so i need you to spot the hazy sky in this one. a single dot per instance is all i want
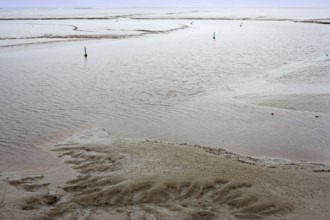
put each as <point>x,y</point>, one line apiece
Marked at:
<point>164,3</point>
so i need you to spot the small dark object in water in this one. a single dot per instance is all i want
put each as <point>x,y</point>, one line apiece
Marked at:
<point>85,52</point>
<point>316,116</point>
<point>214,36</point>
<point>272,113</point>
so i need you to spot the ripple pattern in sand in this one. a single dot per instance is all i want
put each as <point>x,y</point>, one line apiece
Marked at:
<point>104,187</point>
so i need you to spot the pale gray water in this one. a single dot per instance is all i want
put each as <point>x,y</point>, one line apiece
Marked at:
<point>181,86</point>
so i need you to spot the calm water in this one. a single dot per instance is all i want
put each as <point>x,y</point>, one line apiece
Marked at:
<point>182,86</point>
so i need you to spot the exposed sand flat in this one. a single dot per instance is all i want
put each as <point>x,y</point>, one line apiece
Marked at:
<point>130,179</point>
<point>261,88</point>
<point>298,102</point>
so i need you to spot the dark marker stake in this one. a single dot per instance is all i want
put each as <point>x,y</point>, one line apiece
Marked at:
<point>214,36</point>
<point>85,52</point>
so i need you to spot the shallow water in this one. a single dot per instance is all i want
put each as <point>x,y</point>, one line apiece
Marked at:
<point>182,86</point>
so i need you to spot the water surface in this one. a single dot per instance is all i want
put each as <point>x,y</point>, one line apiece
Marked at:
<point>179,86</point>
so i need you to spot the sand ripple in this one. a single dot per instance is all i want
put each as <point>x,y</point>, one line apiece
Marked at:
<point>114,183</point>
<point>145,179</point>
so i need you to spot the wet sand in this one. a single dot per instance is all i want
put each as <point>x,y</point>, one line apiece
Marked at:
<point>238,93</point>
<point>99,176</point>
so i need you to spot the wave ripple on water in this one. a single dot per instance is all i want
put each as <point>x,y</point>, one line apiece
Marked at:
<point>180,87</point>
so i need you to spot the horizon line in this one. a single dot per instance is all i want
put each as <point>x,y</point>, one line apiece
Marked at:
<point>110,7</point>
